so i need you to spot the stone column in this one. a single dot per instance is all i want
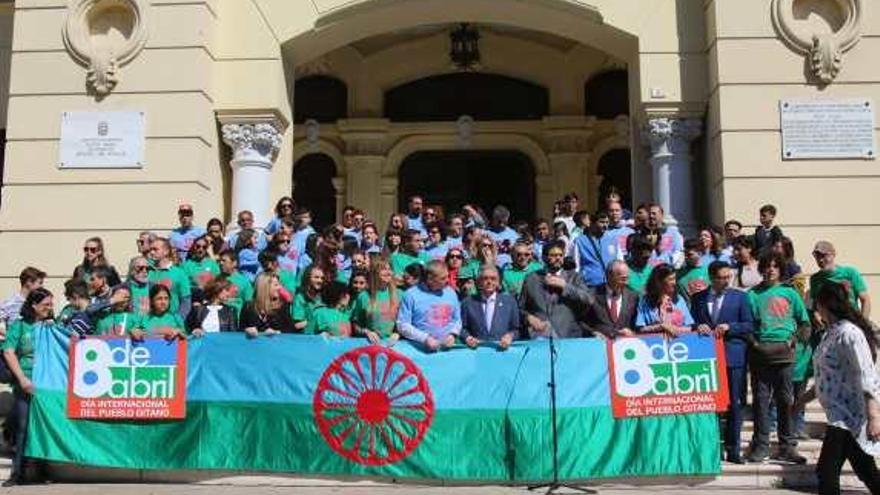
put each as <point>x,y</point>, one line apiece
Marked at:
<point>339,185</point>
<point>366,144</point>
<point>670,159</point>
<point>255,139</point>
<point>567,142</point>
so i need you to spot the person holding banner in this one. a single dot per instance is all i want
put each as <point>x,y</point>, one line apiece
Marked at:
<point>375,309</point>
<point>725,312</point>
<point>662,309</point>
<point>307,298</point>
<point>430,313</point>
<point>613,314</point>
<point>848,388</point>
<point>490,315</point>
<point>161,320</point>
<point>18,352</point>
<point>268,313</point>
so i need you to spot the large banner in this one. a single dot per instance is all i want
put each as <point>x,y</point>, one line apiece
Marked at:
<point>652,375</point>
<point>336,407</point>
<point>123,379</point>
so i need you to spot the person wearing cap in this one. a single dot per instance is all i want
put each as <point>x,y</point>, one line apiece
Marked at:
<point>182,237</point>
<point>829,271</point>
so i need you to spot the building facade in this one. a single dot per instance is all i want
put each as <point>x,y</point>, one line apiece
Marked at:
<point>366,101</point>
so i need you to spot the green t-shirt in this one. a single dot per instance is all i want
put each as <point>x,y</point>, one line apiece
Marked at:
<point>692,279</point>
<point>177,282</point>
<point>513,277</point>
<point>140,298</point>
<point>200,272</point>
<point>847,276</point>
<point>400,260</point>
<point>118,324</point>
<point>379,317</point>
<point>779,310</point>
<point>152,324</point>
<point>303,309</point>
<point>334,321</point>
<point>243,291</point>
<point>20,338</point>
<point>639,278</point>
<point>288,280</point>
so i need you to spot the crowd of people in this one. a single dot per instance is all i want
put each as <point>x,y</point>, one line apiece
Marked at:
<point>471,279</point>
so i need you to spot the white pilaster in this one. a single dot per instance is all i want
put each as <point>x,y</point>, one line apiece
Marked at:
<point>670,140</point>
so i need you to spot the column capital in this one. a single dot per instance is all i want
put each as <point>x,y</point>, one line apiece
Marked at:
<point>254,135</point>
<point>671,135</point>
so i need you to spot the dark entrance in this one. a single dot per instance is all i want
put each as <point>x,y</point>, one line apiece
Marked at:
<point>484,178</point>
<point>313,187</point>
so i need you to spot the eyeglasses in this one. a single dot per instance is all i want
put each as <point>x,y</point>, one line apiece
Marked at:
<point>88,249</point>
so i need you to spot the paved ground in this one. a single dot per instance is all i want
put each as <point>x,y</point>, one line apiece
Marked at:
<point>364,489</point>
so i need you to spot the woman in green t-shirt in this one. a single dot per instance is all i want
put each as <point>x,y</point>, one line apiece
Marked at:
<point>307,299</point>
<point>160,321</point>
<point>375,310</point>
<point>18,350</point>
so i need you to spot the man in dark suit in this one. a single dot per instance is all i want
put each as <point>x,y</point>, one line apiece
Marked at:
<point>555,300</point>
<point>613,313</point>
<point>725,312</point>
<point>489,315</point>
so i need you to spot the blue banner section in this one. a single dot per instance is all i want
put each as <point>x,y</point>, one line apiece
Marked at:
<point>229,367</point>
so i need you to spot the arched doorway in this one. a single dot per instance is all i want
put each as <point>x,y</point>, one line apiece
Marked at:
<point>485,178</point>
<point>615,168</point>
<point>313,187</point>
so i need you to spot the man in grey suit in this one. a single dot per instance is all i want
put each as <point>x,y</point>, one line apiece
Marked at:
<point>489,315</point>
<point>555,300</point>
<point>613,313</point>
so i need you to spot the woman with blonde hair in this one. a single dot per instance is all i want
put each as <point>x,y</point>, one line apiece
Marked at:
<point>483,251</point>
<point>375,309</point>
<point>267,313</point>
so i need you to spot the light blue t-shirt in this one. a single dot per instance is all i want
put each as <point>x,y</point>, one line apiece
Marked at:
<point>425,313</point>
<point>436,252</point>
<point>415,223</point>
<point>680,314</point>
<point>614,243</point>
<point>181,240</point>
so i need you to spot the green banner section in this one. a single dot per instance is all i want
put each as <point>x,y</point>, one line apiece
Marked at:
<point>462,444</point>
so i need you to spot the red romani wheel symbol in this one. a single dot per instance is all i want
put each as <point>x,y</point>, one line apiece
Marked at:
<point>373,406</point>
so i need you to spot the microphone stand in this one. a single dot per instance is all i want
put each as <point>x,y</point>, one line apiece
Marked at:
<point>554,485</point>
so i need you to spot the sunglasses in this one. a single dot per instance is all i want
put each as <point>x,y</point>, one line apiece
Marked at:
<point>287,205</point>
<point>201,246</point>
<point>523,255</point>
<point>455,256</point>
<point>185,213</point>
<point>486,245</point>
<point>141,268</point>
<point>88,249</point>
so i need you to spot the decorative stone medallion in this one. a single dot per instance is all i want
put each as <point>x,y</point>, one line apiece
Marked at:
<point>821,30</point>
<point>104,35</point>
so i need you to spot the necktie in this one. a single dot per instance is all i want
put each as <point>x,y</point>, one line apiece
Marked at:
<point>612,312</point>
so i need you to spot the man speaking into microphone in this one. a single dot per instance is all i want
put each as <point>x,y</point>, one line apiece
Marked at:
<point>555,300</point>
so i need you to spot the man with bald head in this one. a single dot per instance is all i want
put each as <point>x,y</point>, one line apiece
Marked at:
<point>613,313</point>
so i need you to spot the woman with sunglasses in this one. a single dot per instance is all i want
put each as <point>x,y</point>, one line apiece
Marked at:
<point>484,251</point>
<point>454,262</point>
<point>18,351</point>
<point>199,267</point>
<point>435,247</point>
<point>287,259</point>
<point>93,255</point>
<point>284,208</point>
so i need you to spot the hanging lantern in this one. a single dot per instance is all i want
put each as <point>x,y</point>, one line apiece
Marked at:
<point>464,51</point>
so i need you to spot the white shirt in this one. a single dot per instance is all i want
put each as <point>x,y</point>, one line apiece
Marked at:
<point>715,300</point>
<point>211,323</point>
<point>489,309</point>
<point>611,298</point>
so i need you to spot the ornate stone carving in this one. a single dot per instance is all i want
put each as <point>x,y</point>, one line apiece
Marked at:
<point>317,67</point>
<point>104,35</point>
<point>822,30</point>
<point>246,140</point>
<point>671,135</point>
